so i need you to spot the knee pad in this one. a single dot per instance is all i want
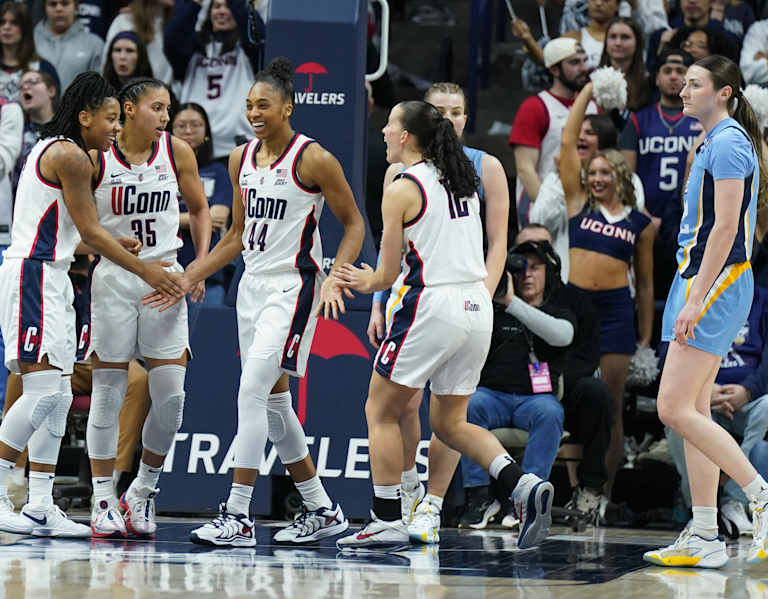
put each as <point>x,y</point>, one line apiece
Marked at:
<point>41,392</point>
<point>284,429</point>
<point>166,390</point>
<point>57,419</point>
<point>107,396</point>
<point>259,376</point>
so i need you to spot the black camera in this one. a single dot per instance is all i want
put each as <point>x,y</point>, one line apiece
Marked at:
<point>516,263</point>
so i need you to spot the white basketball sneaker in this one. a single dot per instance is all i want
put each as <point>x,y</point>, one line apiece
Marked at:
<point>532,501</point>
<point>735,516</point>
<point>226,530</point>
<point>758,550</point>
<point>376,534</point>
<point>11,521</point>
<point>313,526</point>
<point>50,521</point>
<point>409,500</point>
<point>139,508</point>
<point>106,520</point>
<point>690,550</point>
<point>425,524</point>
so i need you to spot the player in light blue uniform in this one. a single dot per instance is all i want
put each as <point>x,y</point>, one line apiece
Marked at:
<point>709,300</point>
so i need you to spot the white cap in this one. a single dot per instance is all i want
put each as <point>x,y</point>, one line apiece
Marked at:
<point>559,49</point>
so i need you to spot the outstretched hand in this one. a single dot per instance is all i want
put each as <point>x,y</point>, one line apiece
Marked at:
<point>359,279</point>
<point>332,299</point>
<point>163,300</point>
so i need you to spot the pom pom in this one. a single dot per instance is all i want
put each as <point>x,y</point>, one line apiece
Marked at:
<point>609,88</point>
<point>643,367</point>
<point>758,98</point>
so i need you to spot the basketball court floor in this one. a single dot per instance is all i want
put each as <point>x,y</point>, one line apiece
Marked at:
<point>596,564</point>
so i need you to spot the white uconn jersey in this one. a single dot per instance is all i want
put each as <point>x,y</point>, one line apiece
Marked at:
<point>42,228</point>
<point>141,200</point>
<point>220,82</point>
<point>281,212</point>
<point>444,242</point>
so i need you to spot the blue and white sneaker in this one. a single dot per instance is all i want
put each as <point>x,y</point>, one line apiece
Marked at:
<point>226,530</point>
<point>313,526</point>
<point>139,511</point>
<point>50,521</point>
<point>425,524</point>
<point>532,501</point>
<point>106,520</point>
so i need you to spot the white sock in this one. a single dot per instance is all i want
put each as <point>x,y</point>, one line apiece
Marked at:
<point>41,488</point>
<point>386,491</point>
<point>498,464</point>
<point>17,476</point>
<point>410,479</point>
<point>102,487</point>
<point>6,467</point>
<point>239,501</point>
<point>147,477</point>
<point>754,488</point>
<point>434,500</point>
<point>705,522</point>
<point>313,494</point>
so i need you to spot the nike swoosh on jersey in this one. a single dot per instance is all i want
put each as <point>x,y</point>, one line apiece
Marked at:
<point>290,288</point>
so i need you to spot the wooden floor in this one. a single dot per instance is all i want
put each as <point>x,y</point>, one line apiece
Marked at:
<point>600,563</point>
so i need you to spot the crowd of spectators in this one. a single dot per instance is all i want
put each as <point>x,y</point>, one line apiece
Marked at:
<point>614,215</point>
<point>603,187</point>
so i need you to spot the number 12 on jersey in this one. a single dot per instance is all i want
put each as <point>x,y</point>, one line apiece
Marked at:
<point>261,240</point>
<point>457,207</point>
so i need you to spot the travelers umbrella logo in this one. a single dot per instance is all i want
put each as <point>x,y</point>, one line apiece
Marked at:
<point>311,69</point>
<point>309,95</point>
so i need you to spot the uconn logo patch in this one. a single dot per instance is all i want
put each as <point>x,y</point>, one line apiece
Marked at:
<point>607,229</point>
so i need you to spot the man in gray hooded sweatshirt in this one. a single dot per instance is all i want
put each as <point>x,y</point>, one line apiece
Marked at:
<point>65,42</point>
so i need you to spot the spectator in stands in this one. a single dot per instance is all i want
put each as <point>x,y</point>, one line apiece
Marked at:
<point>127,58</point>
<point>65,42</point>
<point>651,14</point>
<point>95,15</point>
<point>227,80</point>
<point>17,45</point>
<point>737,17</point>
<point>586,399</point>
<point>739,405</point>
<point>655,142</point>
<point>147,18</point>
<point>538,123</point>
<point>597,134</point>
<point>532,330</point>
<point>703,41</point>
<point>754,54</point>
<point>592,36</point>
<point>607,236</point>
<point>624,51</point>
<point>694,13</point>
<point>190,123</point>
<point>39,97</point>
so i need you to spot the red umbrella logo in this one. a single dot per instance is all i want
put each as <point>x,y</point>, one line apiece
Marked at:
<point>331,339</point>
<point>311,69</point>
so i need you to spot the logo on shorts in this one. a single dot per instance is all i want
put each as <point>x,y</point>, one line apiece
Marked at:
<point>295,341</point>
<point>388,353</point>
<point>471,307</point>
<point>31,339</point>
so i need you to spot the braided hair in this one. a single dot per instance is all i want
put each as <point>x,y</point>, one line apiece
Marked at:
<point>278,74</point>
<point>439,144</point>
<point>88,91</point>
<point>135,88</point>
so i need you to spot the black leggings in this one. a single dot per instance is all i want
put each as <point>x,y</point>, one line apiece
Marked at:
<point>587,405</point>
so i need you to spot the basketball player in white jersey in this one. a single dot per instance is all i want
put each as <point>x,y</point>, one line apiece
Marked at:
<point>439,320</point>
<point>280,182</point>
<point>54,209</point>
<point>137,182</point>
